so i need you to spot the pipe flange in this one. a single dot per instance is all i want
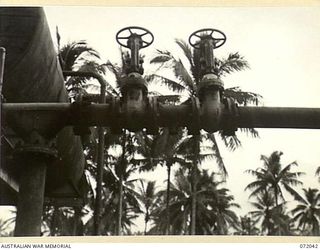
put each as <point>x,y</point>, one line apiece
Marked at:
<point>133,80</point>
<point>230,116</point>
<point>116,125</point>
<point>29,149</point>
<point>36,145</point>
<point>77,110</point>
<point>209,81</point>
<point>194,124</point>
<point>153,116</point>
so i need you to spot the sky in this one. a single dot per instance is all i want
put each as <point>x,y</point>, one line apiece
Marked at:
<point>281,45</point>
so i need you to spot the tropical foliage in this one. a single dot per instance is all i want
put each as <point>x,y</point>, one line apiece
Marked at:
<point>214,206</point>
<point>307,213</point>
<point>273,178</point>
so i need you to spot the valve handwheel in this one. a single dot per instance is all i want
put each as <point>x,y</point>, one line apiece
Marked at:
<point>218,37</point>
<point>124,34</point>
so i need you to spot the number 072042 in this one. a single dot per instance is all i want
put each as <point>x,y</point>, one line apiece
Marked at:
<point>313,246</point>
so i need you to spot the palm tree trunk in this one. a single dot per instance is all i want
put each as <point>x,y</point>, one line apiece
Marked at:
<point>120,195</point>
<point>145,224</point>
<point>168,198</point>
<point>196,151</point>
<point>120,205</point>
<point>99,177</point>
<point>185,216</point>
<point>193,202</point>
<point>303,227</point>
<point>276,193</point>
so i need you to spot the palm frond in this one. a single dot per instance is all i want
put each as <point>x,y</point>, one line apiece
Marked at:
<point>161,57</point>
<point>231,142</point>
<point>171,84</point>
<point>183,75</point>
<point>186,50</point>
<point>234,62</point>
<point>218,155</point>
<point>242,97</point>
<point>250,131</point>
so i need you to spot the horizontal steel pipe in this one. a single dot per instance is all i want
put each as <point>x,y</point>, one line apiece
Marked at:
<point>279,117</point>
<point>179,115</point>
<point>174,115</point>
<point>59,107</point>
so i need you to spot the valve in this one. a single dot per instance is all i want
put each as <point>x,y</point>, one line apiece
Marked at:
<point>133,87</point>
<point>134,38</point>
<point>210,87</point>
<point>210,39</point>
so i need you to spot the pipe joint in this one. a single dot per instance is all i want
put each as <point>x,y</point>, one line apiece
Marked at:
<point>134,101</point>
<point>209,82</point>
<point>230,117</point>
<point>194,124</point>
<point>210,93</point>
<point>38,146</point>
<point>77,109</point>
<point>153,115</point>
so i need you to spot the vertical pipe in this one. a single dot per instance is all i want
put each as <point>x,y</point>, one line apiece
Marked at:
<point>31,196</point>
<point>77,221</point>
<point>2,58</point>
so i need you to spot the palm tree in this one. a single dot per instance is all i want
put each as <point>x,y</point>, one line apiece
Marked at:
<point>147,197</point>
<point>283,223</point>
<point>186,81</point>
<point>272,177</point>
<point>214,214</point>
<point>167,148</point>
<point>78,56</point>
<point>307,212</point>
<point>264,204</point>
<point>125,165</point>
<point>130,208</point>
<point>247,226</point>
<point>63,221</point>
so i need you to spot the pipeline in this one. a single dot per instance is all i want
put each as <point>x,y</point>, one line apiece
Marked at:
<point>247,117</point>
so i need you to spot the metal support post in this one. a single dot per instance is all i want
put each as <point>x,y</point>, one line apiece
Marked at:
<point>33,153</point>
<point>31,196</point>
